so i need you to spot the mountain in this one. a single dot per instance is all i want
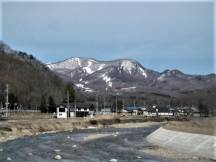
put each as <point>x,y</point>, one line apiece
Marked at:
<point>91,74</point>
<point>127,75</point>
<point>28,78</point>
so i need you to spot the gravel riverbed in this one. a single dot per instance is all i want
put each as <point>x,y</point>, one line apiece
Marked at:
<point>126,143</point>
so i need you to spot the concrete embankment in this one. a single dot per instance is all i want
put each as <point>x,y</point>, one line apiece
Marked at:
<point>195,144</point>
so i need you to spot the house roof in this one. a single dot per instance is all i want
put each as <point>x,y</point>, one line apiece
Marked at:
<point>163,109</point>
<point>131,108</point>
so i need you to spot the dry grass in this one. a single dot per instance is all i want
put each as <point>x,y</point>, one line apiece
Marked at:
<point>195,125</point>
<point>29,115</point>
<point>17,128</point>
<point>21,124</point>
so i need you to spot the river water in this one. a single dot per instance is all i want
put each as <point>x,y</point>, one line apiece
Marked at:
<point>88,145</point>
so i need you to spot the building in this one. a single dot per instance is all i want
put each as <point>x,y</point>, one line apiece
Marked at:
<point>106,110</point>
<point>165,111</point>
<point>84,109</point>
<point>62,112</point>
<point>80,109</point>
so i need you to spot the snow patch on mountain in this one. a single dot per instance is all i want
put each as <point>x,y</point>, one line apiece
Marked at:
<point>128,66</point>
<point>80,85</point>
<point>128,88</point>
<point>69,64</point>
<point>101,66</point>
<point>86,82</point>
<point>143,72</point>
<point>78,61</point>
<point>107,80</point>
<point>86,89</point>
<point>161,77</point>
<point>88,68</point>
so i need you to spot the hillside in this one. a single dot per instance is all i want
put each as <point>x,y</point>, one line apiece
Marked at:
<point>28,78</point>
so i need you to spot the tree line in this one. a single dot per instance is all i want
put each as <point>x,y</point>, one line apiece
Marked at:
<point>48,105</point>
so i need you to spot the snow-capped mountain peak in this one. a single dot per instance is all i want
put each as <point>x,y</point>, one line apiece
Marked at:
<point>69,64</point>
<point>81,70</point>
<point>131,66</point>
<point>91,75</point>
<point>127,66</point>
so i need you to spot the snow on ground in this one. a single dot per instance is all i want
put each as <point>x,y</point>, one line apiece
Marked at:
<point>107,80</point>
<point>86,82</point>
<point>87,89</point>
<point>80,85</point>
<point>161,77</point>
<point>78,61</point>
<point>101,66</point>
<point>88,68</point>
<point>71,64</point>
<point>110,84</point>
<point>127,66</point>
<point>143,72</point>
<point>128,88</point>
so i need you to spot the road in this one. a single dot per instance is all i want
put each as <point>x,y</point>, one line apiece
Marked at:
<point>88,145</point>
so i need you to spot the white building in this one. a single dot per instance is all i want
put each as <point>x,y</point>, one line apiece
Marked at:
<point>62,112</point>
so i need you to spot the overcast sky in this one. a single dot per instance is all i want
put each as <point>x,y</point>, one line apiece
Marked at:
<point>160,35</point>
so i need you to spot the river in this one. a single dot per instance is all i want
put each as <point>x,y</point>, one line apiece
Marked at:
<point>87,145</point>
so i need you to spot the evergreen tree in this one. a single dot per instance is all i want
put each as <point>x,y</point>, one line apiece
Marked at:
<point>43,106</point>
<point>69,89</point>
<point>119,105</point>
<point>13,100</point>
<point>203,109</point>
<point>2,99</point>
<point>51,105</point>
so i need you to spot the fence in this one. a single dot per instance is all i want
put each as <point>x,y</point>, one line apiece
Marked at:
<point>22,114</point>
<point>20,110</point>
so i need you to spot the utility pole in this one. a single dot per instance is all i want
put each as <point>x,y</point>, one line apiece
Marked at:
<point>7,103</point>
<point>104,104</point>
<point>68,100</point>
<point>105,99</point>
<point>123,102</point>
<point>75,107</point>
<point>116,104</point>
<point>96,102</point>
<point>134,102</point>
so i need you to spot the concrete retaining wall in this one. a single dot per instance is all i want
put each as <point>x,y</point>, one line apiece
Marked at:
<point>196,144</point>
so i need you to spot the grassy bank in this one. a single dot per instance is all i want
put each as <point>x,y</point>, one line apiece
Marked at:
<point>195,125</point>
